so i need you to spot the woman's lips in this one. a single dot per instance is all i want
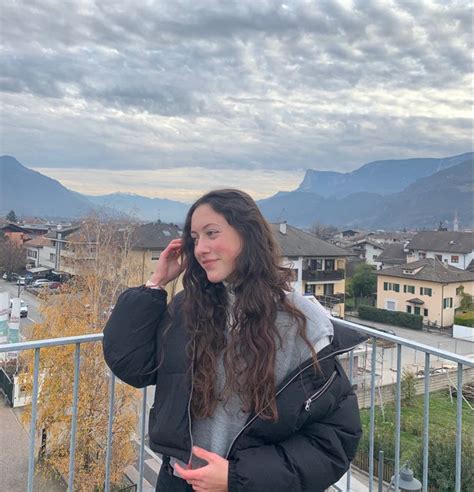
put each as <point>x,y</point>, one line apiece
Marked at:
<point>207,263</point>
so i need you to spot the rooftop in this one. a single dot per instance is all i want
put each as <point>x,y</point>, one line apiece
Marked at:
<point>296,242</point>
<point>38,242</point>
<point>155,235</point>
<point>393,254</point>
<point>443,241</point>
<point>430,270</point>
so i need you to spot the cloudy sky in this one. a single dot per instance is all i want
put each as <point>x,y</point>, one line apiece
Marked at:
<point>171,98</point>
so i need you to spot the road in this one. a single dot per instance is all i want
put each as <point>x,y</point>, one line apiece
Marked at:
<point>34,315</point>
<point>414,360</point>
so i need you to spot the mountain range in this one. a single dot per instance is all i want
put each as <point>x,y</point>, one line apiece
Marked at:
<point>391,194</point>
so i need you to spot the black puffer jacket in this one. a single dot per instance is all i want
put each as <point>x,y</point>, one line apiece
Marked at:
<point>307,449</point>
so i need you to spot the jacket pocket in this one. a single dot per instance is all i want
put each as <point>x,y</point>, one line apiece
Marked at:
<point>320,392</point>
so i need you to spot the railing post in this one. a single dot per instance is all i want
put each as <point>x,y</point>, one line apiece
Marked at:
<point>108,451</point>
<point>380,482</point>
<point>34,402</point>
<point>72,447</point>
<point>372,415</point>
<point>142,441</point>
<point>458,429</point>
<point>351,377</point>
<point>426,422</point>
<point>398,414</point>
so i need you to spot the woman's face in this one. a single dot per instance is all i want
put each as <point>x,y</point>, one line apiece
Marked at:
<point>216,243</point>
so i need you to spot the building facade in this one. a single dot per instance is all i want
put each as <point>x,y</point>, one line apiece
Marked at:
<point>318,266</point>
<point>426,287</point>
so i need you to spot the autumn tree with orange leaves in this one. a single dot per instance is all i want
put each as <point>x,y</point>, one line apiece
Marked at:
<point>99,256</point>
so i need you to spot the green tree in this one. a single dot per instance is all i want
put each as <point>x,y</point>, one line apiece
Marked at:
<point>364,281</point>
<point>11,217</point>
<point>408,388</point>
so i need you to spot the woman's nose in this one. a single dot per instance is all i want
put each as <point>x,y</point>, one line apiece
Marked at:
<point>202,247</point>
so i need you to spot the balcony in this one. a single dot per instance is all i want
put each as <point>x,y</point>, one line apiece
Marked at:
<point>323,275</point>
<point>376,373</point>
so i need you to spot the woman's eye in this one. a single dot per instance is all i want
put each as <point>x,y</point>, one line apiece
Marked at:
<point>212,233</point>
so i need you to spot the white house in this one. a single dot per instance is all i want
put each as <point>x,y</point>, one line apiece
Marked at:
<point>450,247</point>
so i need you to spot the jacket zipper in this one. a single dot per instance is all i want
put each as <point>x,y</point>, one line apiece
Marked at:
<point>189,403</point>
<point>318,393</point>
<point>337,352</point>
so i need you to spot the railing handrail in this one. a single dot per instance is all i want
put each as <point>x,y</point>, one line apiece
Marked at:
<point>404,342</point>
<point>50,342</point>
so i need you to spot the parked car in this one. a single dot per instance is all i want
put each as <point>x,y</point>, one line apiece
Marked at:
<point>23,308</point>
<point>21,281</point>
<point>10,277</point>
<point>40,282</point>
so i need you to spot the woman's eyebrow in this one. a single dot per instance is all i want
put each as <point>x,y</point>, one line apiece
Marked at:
<point>206,226</point>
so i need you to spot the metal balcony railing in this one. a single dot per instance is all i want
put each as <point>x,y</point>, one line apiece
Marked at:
<point>323,275</point>
<point>430,353</point>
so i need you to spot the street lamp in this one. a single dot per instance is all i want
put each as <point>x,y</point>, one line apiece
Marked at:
<point>406,480</point>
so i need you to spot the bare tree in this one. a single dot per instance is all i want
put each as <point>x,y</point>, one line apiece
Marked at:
<point>98,254</point>
<point>323,231</point>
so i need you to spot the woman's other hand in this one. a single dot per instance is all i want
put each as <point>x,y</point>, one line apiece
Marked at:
<point>211,477</point>
<point>170,264</point>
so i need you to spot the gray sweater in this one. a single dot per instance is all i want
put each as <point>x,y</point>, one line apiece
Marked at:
<point>217,432</point>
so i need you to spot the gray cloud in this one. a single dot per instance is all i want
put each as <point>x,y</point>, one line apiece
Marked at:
<point>306,84</point>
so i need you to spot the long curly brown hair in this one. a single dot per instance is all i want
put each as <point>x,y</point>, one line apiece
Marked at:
<point>259,283</point>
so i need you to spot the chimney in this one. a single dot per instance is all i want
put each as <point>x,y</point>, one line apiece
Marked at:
<point>283,227</point>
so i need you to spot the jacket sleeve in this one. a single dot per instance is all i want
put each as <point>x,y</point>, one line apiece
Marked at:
<point>130,335</point>
<point>311,459</point>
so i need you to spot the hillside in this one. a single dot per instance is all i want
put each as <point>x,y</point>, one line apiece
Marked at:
<point>386,177</point>
<point>142,207</point>
<point>29,192</point>
<point>422,204</point>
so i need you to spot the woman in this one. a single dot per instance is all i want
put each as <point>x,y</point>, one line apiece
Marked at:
<point>249,393</point>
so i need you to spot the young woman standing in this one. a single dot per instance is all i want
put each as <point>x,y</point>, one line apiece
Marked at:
<point>249,393</point>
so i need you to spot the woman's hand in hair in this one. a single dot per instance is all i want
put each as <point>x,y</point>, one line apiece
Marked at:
<point>211,477</point>
<point>170,264</point>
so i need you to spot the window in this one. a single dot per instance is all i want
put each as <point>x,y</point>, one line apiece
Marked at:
<point>396,287</point>
<point>52,257</point>
<point>454,259</point>
<point>426,291</point>
<point>409,309</point>
<point>410,289</point>
<point>328,289</point>
<point>459,290</point>
<point>440,257</point>
<point>391,286</point>
<point>310,288</point>
<point>315,264</point>
<point>385,286</point>
<point>447,302</point>
<point>329,265</point>
<point>32,253</point>
<point>417,310</point>
<point>390,305</point>
<point>374,257</point>
<point>425,312</point>
<point>155,255</point>
<point>422,255</point>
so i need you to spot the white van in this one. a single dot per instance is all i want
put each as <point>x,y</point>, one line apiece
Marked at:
<point>23,308</point>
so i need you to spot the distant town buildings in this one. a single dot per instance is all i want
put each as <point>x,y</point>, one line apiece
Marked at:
<point>427,287</point>
<point>318,266</point>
